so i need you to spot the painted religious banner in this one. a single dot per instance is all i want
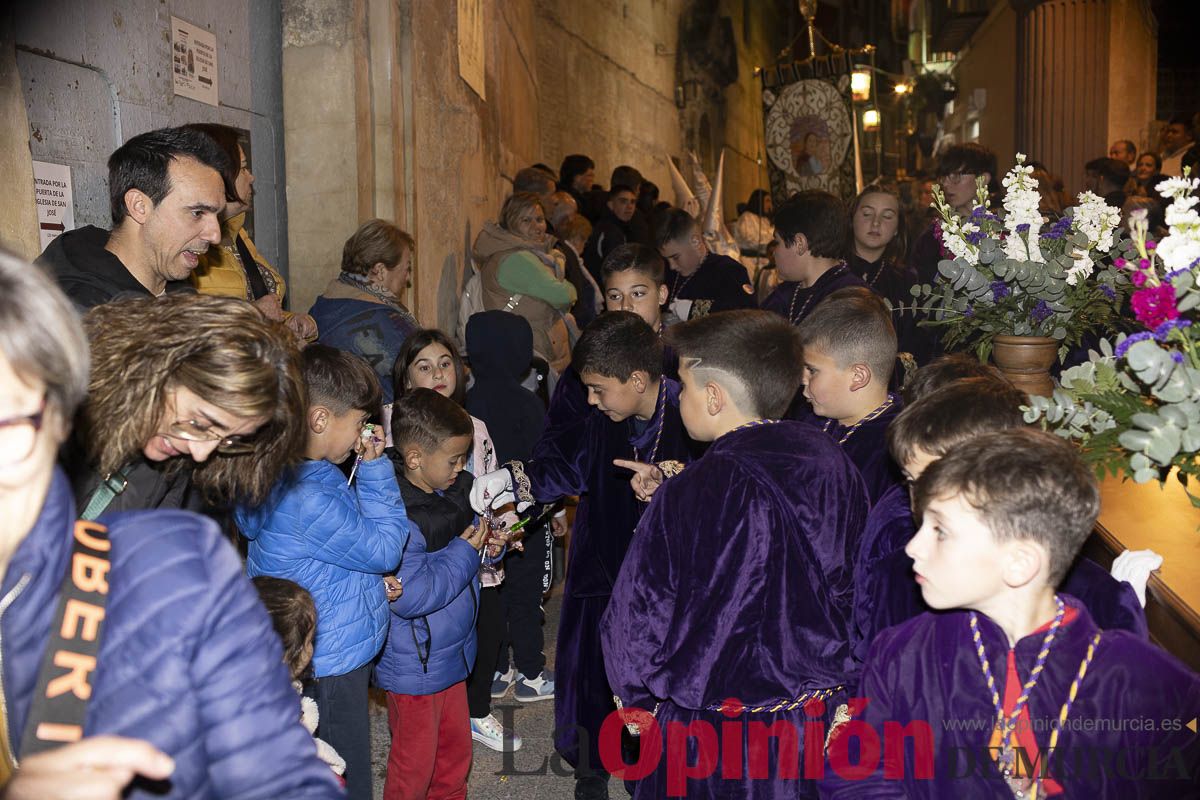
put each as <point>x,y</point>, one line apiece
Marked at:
<point>809,127</point>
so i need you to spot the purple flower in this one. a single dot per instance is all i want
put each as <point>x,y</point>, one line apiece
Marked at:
<point>1108,291</point>
<point>999,291</point>
<point>1177,357</point>
<point>1170,276</point>
<point>975,237</point>
<point>970,312</point>
<point>1130,341</point>
<point>1040,313</point>
<point>1023,227</point>
<point>1160,333</point>
<point>1059,229</point>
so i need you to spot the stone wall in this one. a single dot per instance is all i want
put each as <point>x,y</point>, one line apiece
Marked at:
<point>607,78</point>
<point>94,74</point>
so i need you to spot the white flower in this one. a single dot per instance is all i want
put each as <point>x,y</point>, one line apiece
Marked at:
<point>1096,220</point>
<point>1177,187</point>
<point>1021,201</point>
<point>1179,252</point>
<point>1081,269</point>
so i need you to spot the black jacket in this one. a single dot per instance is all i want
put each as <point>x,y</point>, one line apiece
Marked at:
<point>441,518</point>
<point>501,348</point>
<point>91,275</point>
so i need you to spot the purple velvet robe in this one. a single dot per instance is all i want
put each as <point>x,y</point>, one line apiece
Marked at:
<point>887,593</point>
<point>927,670</point>
<point>780,300</point>
<point>867,448</point>
<point>574,457</point>
<point>720,283</point>
<point>739,584</point>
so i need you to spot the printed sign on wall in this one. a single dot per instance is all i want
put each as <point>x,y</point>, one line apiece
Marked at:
<point>55,204</point>
<point>194,61</point>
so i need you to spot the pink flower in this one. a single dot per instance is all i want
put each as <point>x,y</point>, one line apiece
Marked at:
<point>1150,245</point>
<point>1119,263</point>
<point>1138,278</point>
<point>1154,305</point>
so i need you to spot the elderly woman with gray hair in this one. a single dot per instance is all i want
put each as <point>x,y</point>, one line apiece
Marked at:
<point>521,272</point>
<point>164,643</point>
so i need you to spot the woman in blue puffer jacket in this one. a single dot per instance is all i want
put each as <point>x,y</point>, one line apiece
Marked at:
<point>189,690</point>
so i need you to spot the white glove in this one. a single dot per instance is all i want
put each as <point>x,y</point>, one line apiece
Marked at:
<point>492,490</point>
<point>1134,567</point>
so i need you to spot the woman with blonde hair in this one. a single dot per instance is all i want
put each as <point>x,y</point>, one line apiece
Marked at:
<point>361,310</point>
<point>522,273</point>
<point>184,684</point>
<point>187,392</point>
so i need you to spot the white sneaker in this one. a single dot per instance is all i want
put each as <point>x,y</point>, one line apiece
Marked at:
<point>490,733</point>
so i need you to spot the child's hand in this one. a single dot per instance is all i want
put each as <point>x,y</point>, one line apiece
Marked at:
<point>475,534</point>
<point>646,478</point>
<point>370,445</point>
<point>393,587</point>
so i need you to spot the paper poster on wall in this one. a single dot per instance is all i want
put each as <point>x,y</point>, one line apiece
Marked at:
<point>470,44</point>
<point>194,61</point>
<point>55,204</point>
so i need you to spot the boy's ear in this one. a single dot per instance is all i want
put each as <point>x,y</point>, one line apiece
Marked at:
<point>318,418</point>
<point>412,458</point>
<point>799,244</point>
<point>715,398</point>
<point>1024,562</point>
<point>640,380</point>
<point>860,377</point>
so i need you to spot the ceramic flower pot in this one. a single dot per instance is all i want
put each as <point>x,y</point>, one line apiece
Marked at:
<point>1026,361</point>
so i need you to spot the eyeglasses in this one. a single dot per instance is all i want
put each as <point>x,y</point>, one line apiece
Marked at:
<point>18,435</point>
<point>956,177</point>
<point>192,431</point>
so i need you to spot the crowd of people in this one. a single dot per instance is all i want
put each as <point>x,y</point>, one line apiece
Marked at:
<point>796,525</point>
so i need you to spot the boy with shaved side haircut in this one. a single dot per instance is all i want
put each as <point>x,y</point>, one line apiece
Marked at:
<point>738,583</point>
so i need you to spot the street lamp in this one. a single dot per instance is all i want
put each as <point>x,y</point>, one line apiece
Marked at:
<point>860,85</point>
<point>870,119</point>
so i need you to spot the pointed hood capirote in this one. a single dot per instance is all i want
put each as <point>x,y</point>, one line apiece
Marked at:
<point>684,198</point>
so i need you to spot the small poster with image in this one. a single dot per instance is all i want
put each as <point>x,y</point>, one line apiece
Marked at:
<point>194,61</point>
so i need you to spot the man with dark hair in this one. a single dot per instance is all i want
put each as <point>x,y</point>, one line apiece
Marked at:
<point>810,232</point>
<point>699,281</point>
<point>1178,141</point>
<point>537,181</point>
<point>733,607</point>
<point>165,189</point>
<point>1123,150</point>
<point>612,230</point>
<point>1107,177</point>
<point>634,412</point>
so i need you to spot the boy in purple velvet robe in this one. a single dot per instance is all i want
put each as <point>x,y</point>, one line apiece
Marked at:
<point>738,586</point>
<point>810,233</point>
<point>849,352</point>
<point>619,361</point>
<point>1012,690</point>
<point>946,419</point>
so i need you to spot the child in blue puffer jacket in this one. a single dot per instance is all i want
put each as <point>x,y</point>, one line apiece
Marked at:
<point>431,639</point>
<point>337,542</point>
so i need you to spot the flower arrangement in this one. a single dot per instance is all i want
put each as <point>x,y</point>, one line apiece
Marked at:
<point>1009,276</point>
<point>1135,406</point>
